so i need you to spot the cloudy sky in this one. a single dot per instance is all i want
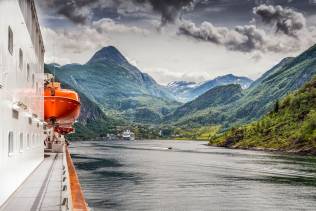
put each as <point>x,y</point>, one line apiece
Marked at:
<point>192,40</point>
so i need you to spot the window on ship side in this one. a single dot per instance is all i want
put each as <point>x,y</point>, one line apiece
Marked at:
<point>33,80</point>
<point>28,72</point>
<point>28,143</point>
<point>21,59</point>
<point>37,91</point>
<point>21,142</point>
<point>10,143</point>
<point>10,40</point>
<point>33,140</point>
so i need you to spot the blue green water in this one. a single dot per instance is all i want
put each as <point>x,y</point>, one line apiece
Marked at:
<point>146,175</point>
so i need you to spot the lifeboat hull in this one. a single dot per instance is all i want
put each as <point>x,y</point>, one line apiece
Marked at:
<point>61,110</point>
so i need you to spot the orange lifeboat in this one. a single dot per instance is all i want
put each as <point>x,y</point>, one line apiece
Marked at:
<point>61,106</point>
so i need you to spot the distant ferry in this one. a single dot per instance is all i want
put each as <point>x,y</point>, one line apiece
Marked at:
<point>128,135</point>
<point>36,170</point>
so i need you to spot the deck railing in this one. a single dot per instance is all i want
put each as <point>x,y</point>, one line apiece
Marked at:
<point>76,200</point>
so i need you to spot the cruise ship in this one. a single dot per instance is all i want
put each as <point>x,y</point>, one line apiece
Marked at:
<point>36,170</point>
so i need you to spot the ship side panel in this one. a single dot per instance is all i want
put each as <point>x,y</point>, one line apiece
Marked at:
<point>21,97</point>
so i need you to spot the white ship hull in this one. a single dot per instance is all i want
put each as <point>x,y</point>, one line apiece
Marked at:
<point>21,95</point>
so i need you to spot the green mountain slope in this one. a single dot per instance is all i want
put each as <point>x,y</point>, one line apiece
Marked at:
<point>118,88</point>
<point>244,82</point>
<point>216,97</point>
<point>188,91</point>
<point>291,126</point>
<point>289,75</point>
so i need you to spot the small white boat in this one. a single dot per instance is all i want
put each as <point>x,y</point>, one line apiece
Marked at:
<point>128,135</point>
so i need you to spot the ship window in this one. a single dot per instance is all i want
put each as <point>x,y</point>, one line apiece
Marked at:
<point>10,143</point>
<point>15,114</point>
<point>33,80</point>
<point>21,142</point>
<point>28,72</point>
<point>10,40</point>
<point>28,141</point>
<point>30,120</point>
<point>21,59</point>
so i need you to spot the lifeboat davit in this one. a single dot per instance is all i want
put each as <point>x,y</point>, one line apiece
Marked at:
<point>64,130</point>
<point>61,106</point>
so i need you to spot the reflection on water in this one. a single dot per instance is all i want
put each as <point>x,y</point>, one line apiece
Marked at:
<point>146,175</point>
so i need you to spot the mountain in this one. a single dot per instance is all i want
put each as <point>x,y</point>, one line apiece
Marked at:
<point>216,97</point>
<point>120,89</point>
<point>109,54</point>
<point>188,91</point>
<point>178,88</point>
<point>291,126</point>
<point>289,75</point>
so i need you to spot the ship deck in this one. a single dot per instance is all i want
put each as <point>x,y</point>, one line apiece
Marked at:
<point>42,190</point>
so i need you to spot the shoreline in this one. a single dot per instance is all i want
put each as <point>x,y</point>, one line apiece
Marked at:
<point>274,151</point>
<point>259,149</point>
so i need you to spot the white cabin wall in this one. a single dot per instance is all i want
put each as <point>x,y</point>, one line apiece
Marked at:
<point>16,167</point>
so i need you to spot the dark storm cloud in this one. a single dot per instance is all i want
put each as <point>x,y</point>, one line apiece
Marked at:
<point>169,9</point>
<point>290,25</point>
<point>286,20</point>
<point>81,11</point>
<point>242,38</point>
<point>77,11</point>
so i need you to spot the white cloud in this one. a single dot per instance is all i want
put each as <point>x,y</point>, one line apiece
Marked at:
<point>76,45</point>
<point>106,25</point>
<point>165,76</point>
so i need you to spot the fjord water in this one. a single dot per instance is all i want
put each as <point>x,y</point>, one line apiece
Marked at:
<point>146,175</point>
